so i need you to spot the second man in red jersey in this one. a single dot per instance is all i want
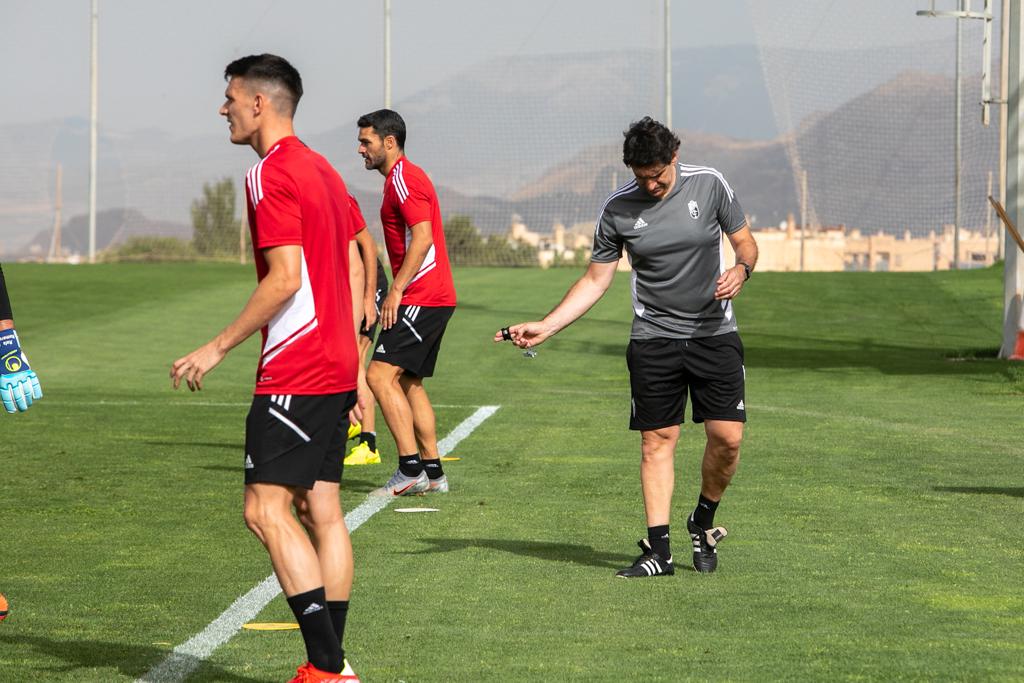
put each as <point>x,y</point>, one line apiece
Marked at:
<point>416,310</point>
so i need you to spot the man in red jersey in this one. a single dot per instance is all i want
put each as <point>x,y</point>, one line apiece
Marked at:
<point>415,311</point>
<point>306,307</point>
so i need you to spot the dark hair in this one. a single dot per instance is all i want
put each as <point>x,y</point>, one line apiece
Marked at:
<point>648,142</point>
<point>271,69</point>
<point>385,122</point>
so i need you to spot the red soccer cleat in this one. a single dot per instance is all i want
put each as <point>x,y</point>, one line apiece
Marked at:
<point>307,673</point>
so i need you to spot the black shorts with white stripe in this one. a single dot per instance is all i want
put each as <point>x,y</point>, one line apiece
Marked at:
<point>296,440</point>
<point>413,341</point>
<point>663,371</point>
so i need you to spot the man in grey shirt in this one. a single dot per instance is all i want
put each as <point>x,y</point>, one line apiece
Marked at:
<point>670,220</point>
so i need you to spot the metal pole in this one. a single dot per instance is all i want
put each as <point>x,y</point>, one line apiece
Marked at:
<point>986,65</point>
<point>668,63</point>
<point>956,148</point>
<point>963,11</point>
<point>55,246</point>
<point>387,54</point>
<point>1004,79</point>
<point>803,215</point>
<point>93,111</point>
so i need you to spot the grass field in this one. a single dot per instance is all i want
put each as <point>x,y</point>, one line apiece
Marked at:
<point>874,522</point>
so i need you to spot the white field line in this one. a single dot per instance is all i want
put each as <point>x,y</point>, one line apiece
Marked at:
<point>187,657</point>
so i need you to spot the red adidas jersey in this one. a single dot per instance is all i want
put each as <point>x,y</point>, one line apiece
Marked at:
<point>409,198</point>
<point>354,212</point>
<point>296,197</point>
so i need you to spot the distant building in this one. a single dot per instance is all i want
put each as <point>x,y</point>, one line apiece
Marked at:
<point>561,244</point>
<point>835,248</point>
<point>828,248</point>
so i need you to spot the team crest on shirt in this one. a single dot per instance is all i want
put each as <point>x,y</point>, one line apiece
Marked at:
<point>694,209</point>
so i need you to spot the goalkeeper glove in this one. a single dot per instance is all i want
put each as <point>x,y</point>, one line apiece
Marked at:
<point>19,385</point>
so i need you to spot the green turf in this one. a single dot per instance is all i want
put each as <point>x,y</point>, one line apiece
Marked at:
<point>874,521</point>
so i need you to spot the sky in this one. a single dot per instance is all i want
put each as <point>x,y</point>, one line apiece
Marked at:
<point>161,62</point>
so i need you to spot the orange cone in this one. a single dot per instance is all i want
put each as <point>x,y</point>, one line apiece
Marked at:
<point>1018,350</point>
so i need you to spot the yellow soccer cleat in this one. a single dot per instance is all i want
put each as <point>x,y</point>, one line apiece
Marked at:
<point>354,430</point>
<point>362,455</point>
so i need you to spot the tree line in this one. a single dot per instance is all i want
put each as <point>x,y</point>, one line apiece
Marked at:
<point>218,233</point>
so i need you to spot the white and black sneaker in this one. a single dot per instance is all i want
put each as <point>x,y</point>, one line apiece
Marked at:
<point>401,485</point>
<point>649,563</point>
<point>705,546</point>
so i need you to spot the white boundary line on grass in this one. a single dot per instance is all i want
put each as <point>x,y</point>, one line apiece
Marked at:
<point>187,657</point>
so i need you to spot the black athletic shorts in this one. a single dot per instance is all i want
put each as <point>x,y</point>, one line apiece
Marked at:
<point>413,341</point>
<point>662,371</point>
<point>382,291</point>
<point>296,440</point>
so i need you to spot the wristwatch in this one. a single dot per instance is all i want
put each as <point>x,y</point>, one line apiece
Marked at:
<point>747,269</point>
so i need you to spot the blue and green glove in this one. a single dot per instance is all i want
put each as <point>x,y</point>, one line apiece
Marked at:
<point>19,386</point>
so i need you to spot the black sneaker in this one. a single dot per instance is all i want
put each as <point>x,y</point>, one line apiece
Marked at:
<point>649,563</point>
<point>705,546</point>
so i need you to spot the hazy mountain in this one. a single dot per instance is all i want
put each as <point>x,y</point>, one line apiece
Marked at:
<point>758,172</point>
<point>885,159</point>
<point>882,160</point>
<point>539,137</point>
<point>493,127</point>
<point>487,131</point>
<point>113,227</point>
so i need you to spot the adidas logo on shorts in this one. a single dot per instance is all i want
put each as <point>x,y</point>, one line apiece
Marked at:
<point>739,406</point>
<point>248,462</point>
<point>380,349</point>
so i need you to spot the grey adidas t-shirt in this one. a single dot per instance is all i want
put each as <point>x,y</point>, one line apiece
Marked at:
<point>675,248</point>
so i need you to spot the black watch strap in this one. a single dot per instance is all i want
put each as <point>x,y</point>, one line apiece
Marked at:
<point>747,269</point>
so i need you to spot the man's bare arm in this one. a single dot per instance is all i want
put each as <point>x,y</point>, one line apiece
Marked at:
<point>282,281</point>
<point>577,301</point>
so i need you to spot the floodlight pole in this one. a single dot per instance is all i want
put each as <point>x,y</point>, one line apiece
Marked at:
<point>963,11</point>
<point>668,64</point>
<point>387,54</point>
<point>93,108</point>
<point>957,166</point>
<point>1004,81</point>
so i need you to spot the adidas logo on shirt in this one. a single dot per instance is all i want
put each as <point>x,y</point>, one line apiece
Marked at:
<point>313,607</point>
<point>739,406</point>
<point>380,349</point>
<point>248,462</point>
<point>640,223</point>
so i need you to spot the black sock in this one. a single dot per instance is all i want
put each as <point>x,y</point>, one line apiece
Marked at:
<point>369,438</point>
<point>704,514</point>
<point>657,536</point>
<point>433,468</point>
<point>339,612</point>
<point>410,465</point>
<point>322,647</point>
